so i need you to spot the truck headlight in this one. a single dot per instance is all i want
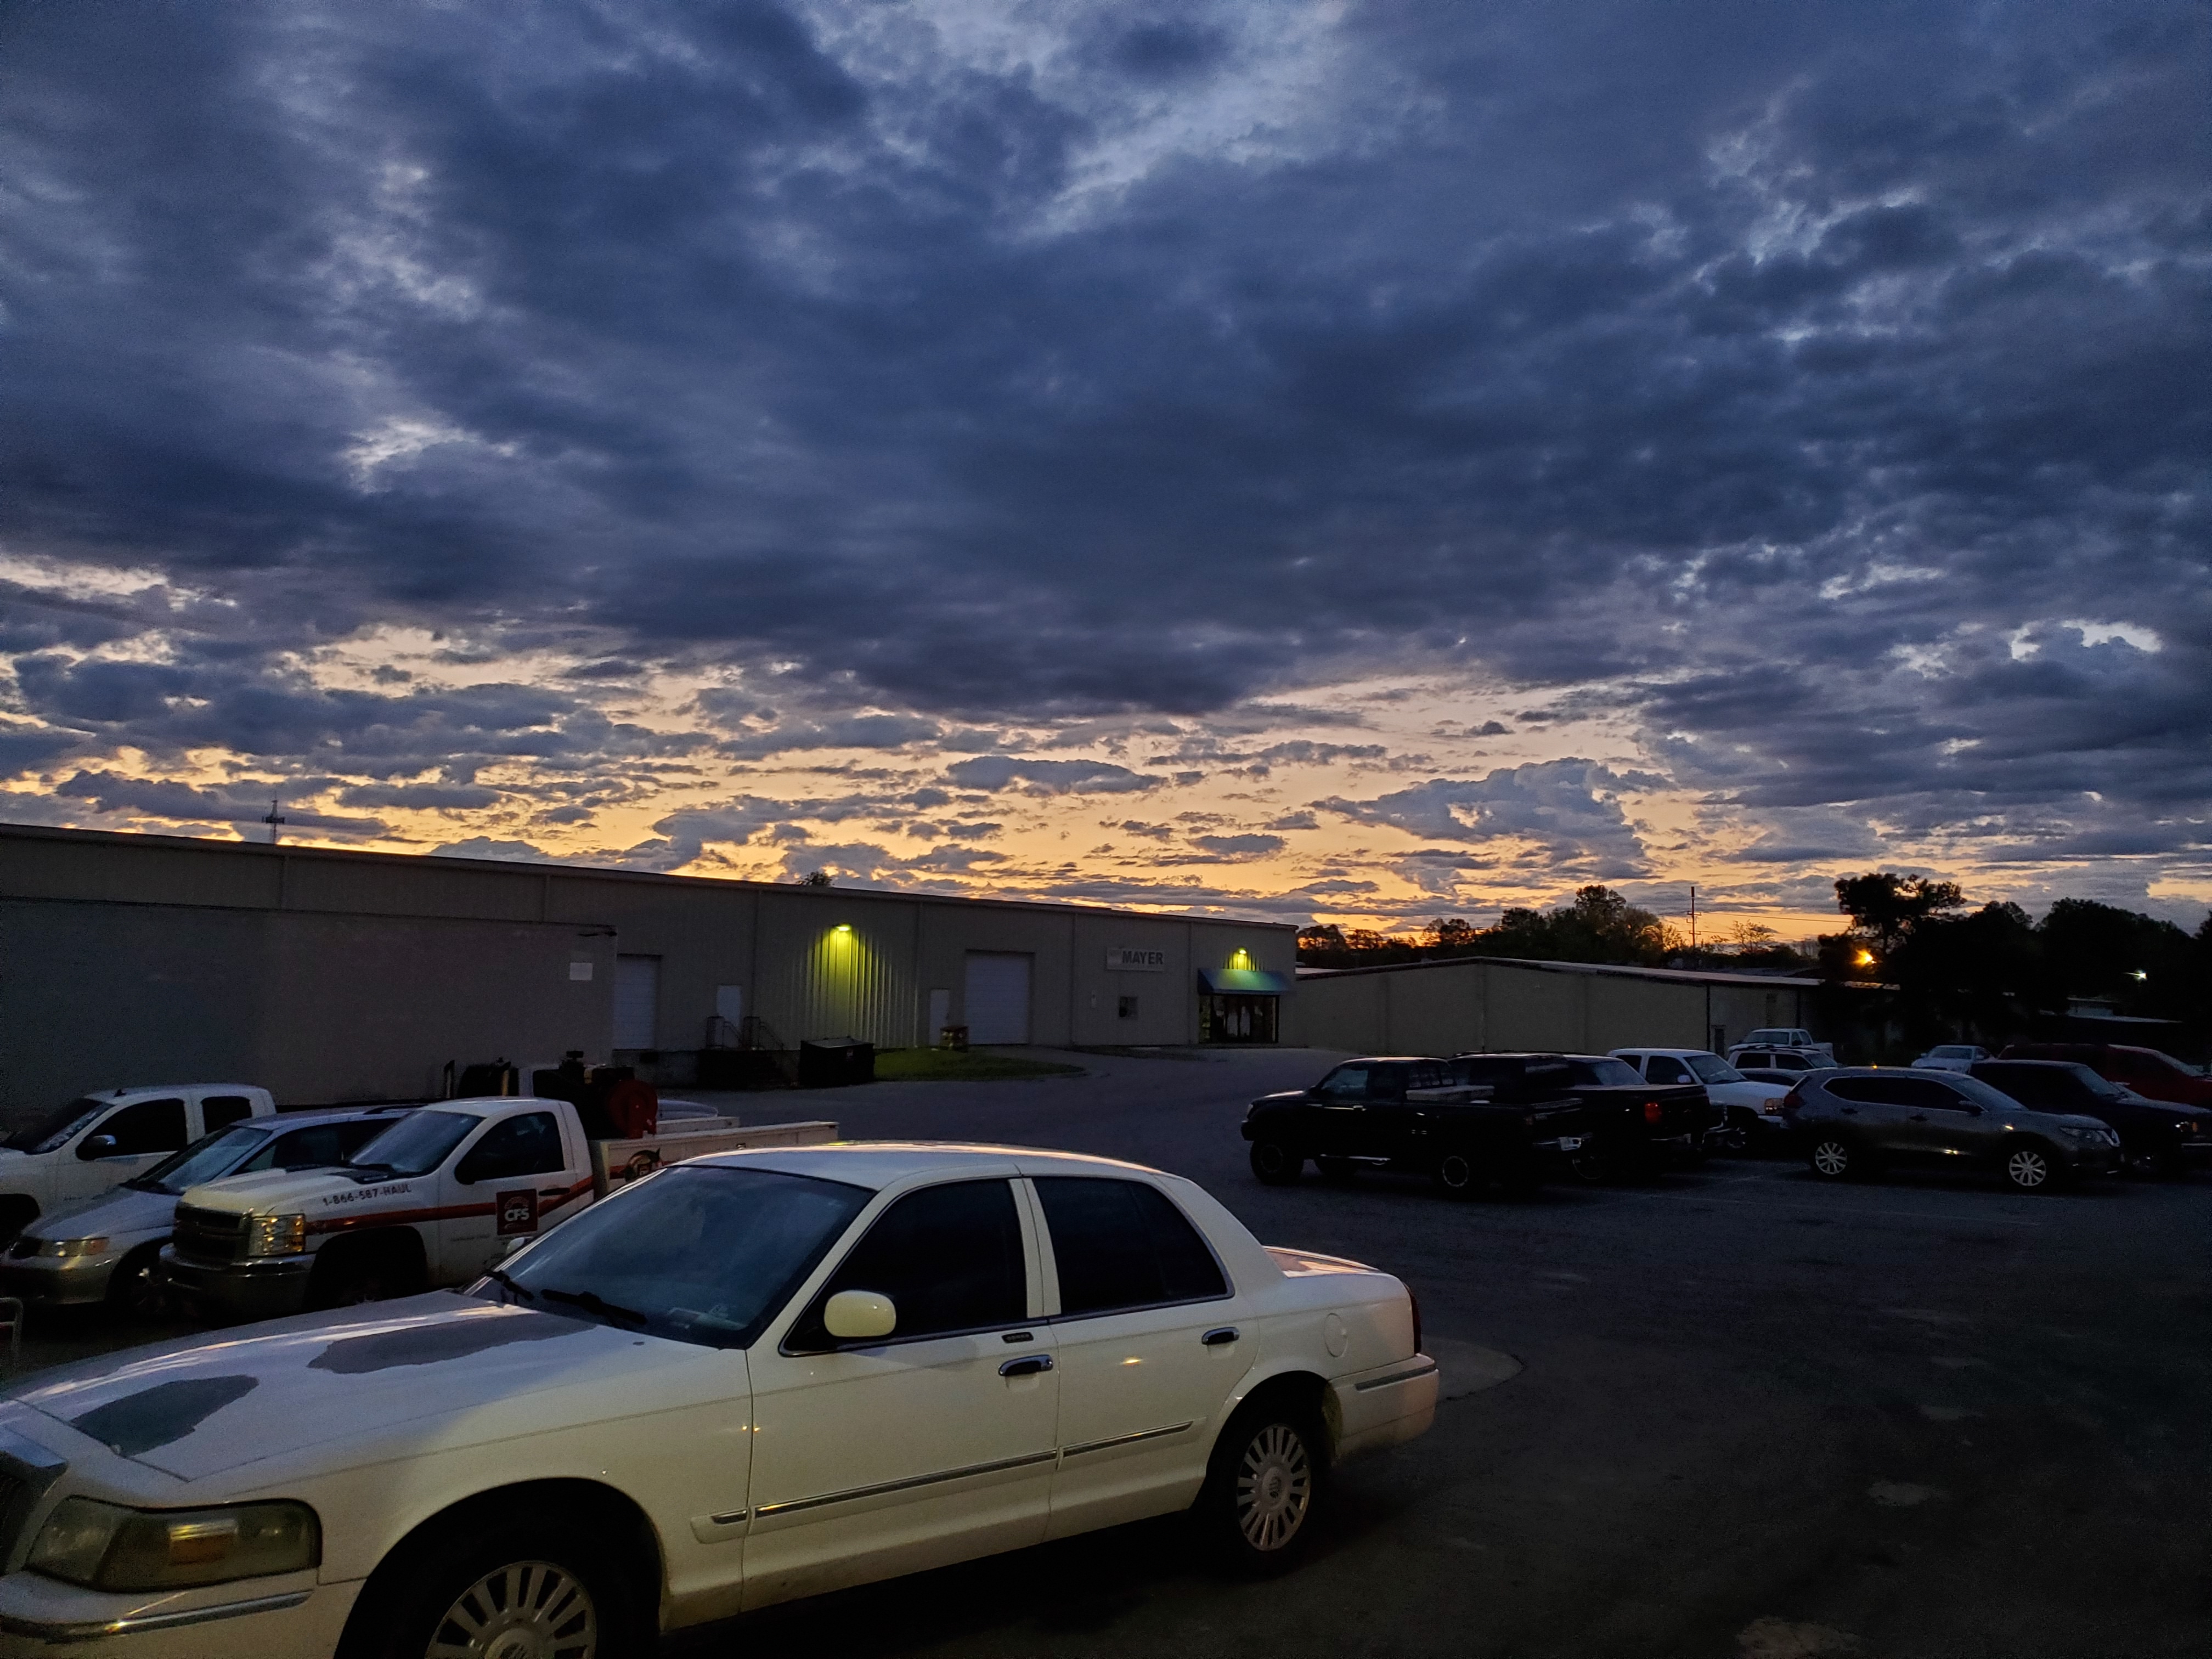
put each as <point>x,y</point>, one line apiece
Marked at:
<point>276,1234</point>
<point>106,1548</point>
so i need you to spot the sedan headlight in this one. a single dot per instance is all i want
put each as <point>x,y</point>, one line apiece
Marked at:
<point>106,1548</point>
<point>276,1234</point>
<point>71,1246</point>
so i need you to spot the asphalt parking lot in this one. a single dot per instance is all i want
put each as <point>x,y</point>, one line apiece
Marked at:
<point>1725,1413</point>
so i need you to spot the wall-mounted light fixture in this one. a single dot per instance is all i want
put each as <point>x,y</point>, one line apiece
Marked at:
<point>1241,960</point>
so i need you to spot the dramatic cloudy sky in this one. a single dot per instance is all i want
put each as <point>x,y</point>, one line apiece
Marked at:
<point>1357,460</point>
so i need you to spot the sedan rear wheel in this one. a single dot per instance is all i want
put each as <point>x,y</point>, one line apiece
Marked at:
<point>1267,1475</point>
<point>2030,1169</point>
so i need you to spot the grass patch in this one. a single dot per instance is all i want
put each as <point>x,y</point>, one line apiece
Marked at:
<point>961,1066</point>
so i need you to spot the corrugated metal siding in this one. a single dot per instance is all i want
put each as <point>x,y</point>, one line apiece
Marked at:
<point>854,983</point>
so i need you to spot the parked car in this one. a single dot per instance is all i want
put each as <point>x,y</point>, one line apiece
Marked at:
<point>1752,1106</point>
<point>86,1145</point>
<point>1785,1036</point>
<point>2155,1133</point>
<point>1750,1061</point>
<point>1628,1125</point>
<point>1951,1057</point>
<point>2148,1072</point>
<point>1852,1120</point>
<point>1405,1112</point>
<point>751,1378</point>
<point>1782,1075</point>
<point>108,1248</point>
<point>435,1199</point>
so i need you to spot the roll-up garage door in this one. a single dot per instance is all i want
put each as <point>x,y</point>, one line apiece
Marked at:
<point>998,997</point>
<point>637,1002</point>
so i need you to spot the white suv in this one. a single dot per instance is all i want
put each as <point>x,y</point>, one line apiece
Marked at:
<point>1751,1110</point>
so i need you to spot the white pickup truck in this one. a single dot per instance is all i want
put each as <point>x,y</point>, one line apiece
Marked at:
<point>435,1200</point>
<point>97,1142</point>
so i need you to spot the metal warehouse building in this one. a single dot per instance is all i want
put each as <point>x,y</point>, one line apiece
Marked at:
<point>335,976</point>
<point>1459,1003</point>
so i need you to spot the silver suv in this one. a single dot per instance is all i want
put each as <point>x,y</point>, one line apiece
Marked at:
<point>1852,1120</point>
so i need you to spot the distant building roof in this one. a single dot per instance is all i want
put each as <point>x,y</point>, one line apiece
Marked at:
<point>1678,976</point>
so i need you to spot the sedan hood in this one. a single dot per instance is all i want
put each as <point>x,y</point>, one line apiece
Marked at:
<point>274,1390</point>
<point>113,1214</point>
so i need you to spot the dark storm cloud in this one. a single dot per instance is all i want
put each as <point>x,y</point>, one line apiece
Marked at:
<point>1570,808</point>
<point>1131,362</point>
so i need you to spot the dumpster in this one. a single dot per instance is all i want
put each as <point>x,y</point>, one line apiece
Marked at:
<point>824,1063</point>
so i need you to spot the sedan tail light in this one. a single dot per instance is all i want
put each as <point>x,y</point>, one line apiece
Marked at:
<point>1414,1302</point>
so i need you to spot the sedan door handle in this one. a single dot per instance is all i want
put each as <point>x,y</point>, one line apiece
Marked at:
<point>1028,1365</point>
<point>1221,1334</point>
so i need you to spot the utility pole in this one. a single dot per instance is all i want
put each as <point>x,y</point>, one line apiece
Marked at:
<point>1693,903</point>
<point>274,821</point>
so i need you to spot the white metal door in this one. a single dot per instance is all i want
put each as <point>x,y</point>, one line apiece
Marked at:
<point>637,1002</point>
<point>998,997</point>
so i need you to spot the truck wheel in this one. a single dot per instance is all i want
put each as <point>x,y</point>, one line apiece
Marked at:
<point>1456,1177</point>
<point>1268,1472</point>
<point>1276,1164</point>
<point>135,1288</point>
<point>527,1589</point>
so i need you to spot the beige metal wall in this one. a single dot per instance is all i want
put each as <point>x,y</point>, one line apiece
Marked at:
<point>333,975</point>
<point>1449,1007</point>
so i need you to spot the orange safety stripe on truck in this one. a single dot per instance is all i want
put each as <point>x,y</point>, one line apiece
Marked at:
<point>574,1193</point>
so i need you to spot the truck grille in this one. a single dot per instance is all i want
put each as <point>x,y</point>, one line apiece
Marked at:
<point>209,1234</point>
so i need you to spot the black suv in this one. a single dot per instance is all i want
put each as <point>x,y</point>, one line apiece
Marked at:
<point>2156,1132</point>
<point>1851,1121</point>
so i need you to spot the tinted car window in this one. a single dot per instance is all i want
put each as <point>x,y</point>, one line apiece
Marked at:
<point>1928,1095</point>
<point>416,1145</point>
<point>2036,1086</point>
<point>1665,1068</point>
<point>1484,1068</point>
<point>1604,1074</point>
<point>1123,1244</point>
<point>1345,1083</point>
<point>1426,1075</point>
<point>1869,1091</point>
<point>209,1158</point>
<point>310,1148</point>
<point>221,1111</point>
<point>949,1257</point>
<point>148,1125</point>
<point>524,1146</point>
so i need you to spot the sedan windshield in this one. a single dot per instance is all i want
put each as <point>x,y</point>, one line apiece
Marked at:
<point>416,1145</point>
<point>209,1158</point>
<point>1711,1068</point>
<point>1605,1073</point>
<point>58,1126</point>
<point>701,1253</point>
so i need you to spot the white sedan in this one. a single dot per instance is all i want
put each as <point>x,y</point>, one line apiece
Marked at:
<point>753,1377</point>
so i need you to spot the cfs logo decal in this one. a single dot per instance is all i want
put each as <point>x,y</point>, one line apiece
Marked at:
<point>517,1211</point>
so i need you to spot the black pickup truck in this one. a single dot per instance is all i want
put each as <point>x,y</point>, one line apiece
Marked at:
<point>1407,1112</point>
<point>1628,1125</point>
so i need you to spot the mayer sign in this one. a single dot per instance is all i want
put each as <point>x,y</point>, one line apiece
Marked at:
<point>1122,960</point>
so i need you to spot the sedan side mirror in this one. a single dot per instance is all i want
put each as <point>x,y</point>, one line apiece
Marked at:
<point>98,1147</point>
<point>856,1316</point>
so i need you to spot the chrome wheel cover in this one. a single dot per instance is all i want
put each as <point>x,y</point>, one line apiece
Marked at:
<point>1274,1488</point>
<point>1831,1159</point>
<point>2027,1168</point>
<point>523,1610</point>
